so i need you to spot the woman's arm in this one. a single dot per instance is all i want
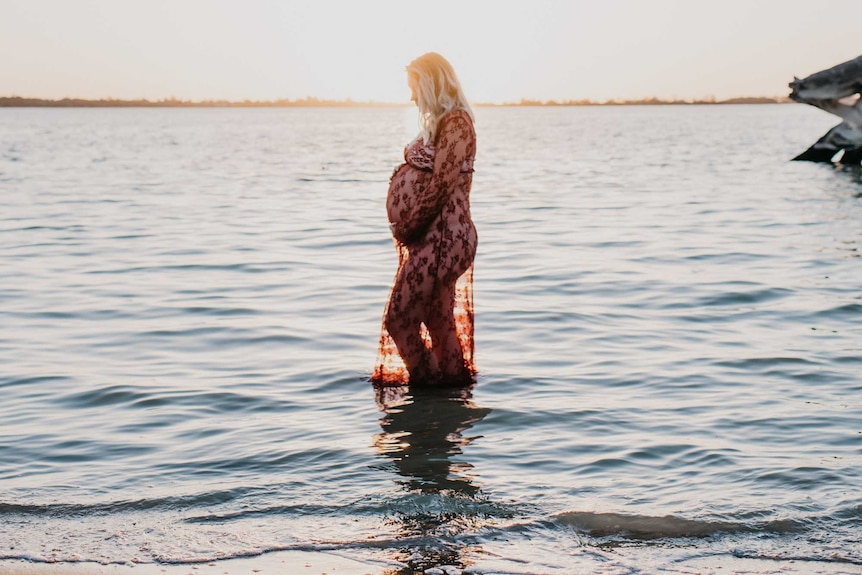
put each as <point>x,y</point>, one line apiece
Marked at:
<point>453,148</point>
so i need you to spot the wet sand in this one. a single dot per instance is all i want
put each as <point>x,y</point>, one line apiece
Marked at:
<point>284,562</point>
<point>311,563</point>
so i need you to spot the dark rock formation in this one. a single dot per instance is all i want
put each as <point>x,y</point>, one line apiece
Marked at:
<point>837,91</point>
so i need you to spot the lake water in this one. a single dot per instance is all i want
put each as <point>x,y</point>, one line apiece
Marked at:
<point>668,338</point>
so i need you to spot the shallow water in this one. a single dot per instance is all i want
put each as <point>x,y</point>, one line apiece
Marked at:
<point>668,328</point>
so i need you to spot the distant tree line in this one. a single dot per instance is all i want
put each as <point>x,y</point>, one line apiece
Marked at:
<point>17,101</point>
<point>20,102</point>
<point>647,102</point>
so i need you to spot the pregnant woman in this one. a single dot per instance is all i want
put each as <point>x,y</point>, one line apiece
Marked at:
<point>428,323</point>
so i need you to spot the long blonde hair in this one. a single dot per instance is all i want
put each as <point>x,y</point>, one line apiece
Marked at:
<point>438,92</point>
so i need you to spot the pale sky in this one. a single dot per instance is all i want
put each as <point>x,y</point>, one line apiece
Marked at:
<point>502,50</point>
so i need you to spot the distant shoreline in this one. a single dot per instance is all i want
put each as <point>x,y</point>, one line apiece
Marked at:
<point>311,102</point>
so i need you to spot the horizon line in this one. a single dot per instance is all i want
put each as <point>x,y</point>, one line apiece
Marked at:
<point>314,101</point>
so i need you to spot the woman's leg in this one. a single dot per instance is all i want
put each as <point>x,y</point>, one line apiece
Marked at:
<point>408,305</point>
<point>456,254</point>
<point>444,335</point>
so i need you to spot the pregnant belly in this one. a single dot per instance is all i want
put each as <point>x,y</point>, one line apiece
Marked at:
<point>405,188</point>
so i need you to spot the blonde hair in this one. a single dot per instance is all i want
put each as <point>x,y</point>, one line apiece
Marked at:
<point>438,92</point>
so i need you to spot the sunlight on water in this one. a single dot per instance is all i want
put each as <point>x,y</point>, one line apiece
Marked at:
<point>667,336</point>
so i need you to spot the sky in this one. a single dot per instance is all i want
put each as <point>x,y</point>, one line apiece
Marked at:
<point>503,51</point>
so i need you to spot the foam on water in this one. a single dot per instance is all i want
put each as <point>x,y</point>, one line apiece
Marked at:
<point>668,328</point>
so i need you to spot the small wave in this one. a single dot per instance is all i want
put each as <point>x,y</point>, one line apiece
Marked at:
<point>197,558</point>
<point>645,527</point>
<point>149,397</point>
<point>219,311</point>
<point>241,267</point>
<point>802,478</point>
<point>764,362</point>
<point>429,506</point>
<point>208,338</point>
<point>72,510</point>
<point>112,395</point>
<point>744,297</point>
<point>727,257</point>
<point>843,312</point>
<point>808,561</point>
<point>275,510</point>
<point>72,227</point>
<point>35,380</point>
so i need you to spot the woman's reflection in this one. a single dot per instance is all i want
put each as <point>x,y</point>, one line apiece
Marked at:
<point>423,433</point>
<point>423,429</point>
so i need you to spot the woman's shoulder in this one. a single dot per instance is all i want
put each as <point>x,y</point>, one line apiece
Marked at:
<point>457,113</point>
<point>456,120</point>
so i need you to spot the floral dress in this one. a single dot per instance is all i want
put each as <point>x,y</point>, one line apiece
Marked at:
<point>427,333</point>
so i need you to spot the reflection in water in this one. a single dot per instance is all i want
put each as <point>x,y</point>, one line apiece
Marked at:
<point>423,435</point>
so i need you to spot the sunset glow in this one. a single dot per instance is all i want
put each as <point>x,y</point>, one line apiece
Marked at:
<point>260,49</point>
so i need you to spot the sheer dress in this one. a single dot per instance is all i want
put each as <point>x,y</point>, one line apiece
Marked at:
<point>427,334</point>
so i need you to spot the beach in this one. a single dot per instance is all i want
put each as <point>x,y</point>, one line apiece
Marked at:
<point>282,562</point>
<point>300,563</point>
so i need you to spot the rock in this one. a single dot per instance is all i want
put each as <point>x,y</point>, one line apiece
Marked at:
<point>444,570</point>
<point>829,90</point>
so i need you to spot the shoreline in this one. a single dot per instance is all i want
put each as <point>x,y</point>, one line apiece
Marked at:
<point>281,562</point>
<point>323,563</point>
<point>22,102</point>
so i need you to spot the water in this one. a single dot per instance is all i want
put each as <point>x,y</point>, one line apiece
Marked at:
<point>668,328</point>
